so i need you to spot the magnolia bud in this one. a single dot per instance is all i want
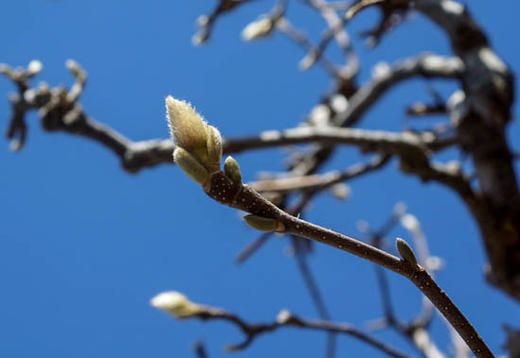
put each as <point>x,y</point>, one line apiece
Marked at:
<point>201,141</point>
<point>405,251</point>
<point>190,165</point>
<point>187,127</point>
<point>340,191</point>
<point>202,20</point>
<point>176,304</point>
<point>200,37</point>
<point>263,224</point>
<point>214,145</point>
<point>283,317</point>
<point>258,29</point>
<point>232,170</point>
<point>34,67</point>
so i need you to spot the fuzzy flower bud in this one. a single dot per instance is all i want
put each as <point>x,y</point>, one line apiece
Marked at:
<point>283,317</point>
<point>176,304</point>
<point>200,37</point>
<point>191,133</point>
<point>258,29</point>
<point>34,67</point>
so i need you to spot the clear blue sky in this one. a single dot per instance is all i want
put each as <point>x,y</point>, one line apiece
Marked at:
<point>84,245</point>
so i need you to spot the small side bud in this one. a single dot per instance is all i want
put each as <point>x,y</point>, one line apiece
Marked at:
<point>283,317</point>
<point>34,67</point>
<point>200,37</point>
<point>176,304</point>
<point>263,224</point>
<point>214,145</point>
<point>232,170</point>
<point>190,165</point>
<point>410,223</point>
<point>73,66</point>
<point>309,60</point>
<point>405,251</point>
<point>341,191</point>
<point>202,20</point>
<point>258,29</point>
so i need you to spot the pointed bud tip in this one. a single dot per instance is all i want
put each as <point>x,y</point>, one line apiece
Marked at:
<point>264,224</point>
<point>405,251</point>
<point>190,165</point>
<point>232,170</point>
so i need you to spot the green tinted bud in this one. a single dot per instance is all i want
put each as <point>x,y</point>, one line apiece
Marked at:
<point>190,165</point>
<point>214,145</point>
<point>232,170</point>
<point>263,224</point>
<point>405,251</point>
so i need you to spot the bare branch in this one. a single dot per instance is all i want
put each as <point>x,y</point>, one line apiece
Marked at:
<point>314,292</point>
<point>310,185</point>
<point>239,196</point>
<point>482,113</point>
<point>284,320</point>
<point>318,182</point>
<point>330,15</point>
<point>226,187</point>
<point>427,66</point>
<point>285,27</point>
<point>415,331</point>
<point>199,349</point>
<point>62,114</point>
<point>206,23</point>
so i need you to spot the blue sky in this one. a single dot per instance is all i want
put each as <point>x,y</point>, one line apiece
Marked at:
<point>84,245</point>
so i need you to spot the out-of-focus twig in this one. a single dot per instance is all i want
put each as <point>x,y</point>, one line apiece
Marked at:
<point>416,331</point>
<point>179,306</point>
<point>200,350</point>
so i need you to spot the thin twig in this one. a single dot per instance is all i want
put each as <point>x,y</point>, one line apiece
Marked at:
<point>222,189</point>
<point>285,27</point>
<point>318,182</point>
<point>135,155</point>
<point>314,292</point>
<point>245,253</point>
<point>316,185</point>
<point>416,330</point>
<point>199,349</point>
<point>286,320</point>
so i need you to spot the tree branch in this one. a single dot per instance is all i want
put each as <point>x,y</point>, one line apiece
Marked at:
<point>284,320</point>
<point>239,196</point>
<point>319,182</point>
<point>481,114</point>
<point>426,65</point>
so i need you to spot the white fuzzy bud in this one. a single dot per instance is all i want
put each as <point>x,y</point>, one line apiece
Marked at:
<point>176,304</point>
<point>191,133</point>
<point>258,29</point>
<point>34,67</point>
